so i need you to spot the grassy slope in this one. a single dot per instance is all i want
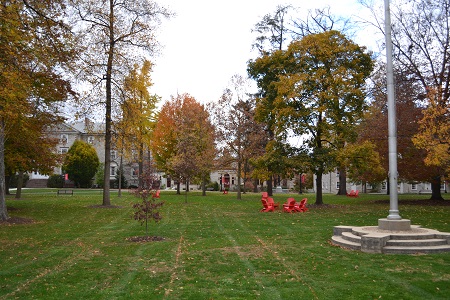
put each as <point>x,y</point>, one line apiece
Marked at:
<point>216,247</point>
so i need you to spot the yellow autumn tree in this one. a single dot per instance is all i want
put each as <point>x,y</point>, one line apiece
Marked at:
<point>36,51</point>
<point>133,131</point>
<point>434,131</point>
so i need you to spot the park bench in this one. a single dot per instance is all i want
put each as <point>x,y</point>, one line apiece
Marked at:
<point>64,192</point>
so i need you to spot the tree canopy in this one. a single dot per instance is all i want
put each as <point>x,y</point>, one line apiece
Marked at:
<point>81,163</point>
<point>321,95</point>
<point>36,49</point>
<point>116,35</point>
<point>183,140</point>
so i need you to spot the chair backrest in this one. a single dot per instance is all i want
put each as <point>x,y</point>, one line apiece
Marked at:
<point>264,203</point>
<point>356,193</point>
<point>303,202</point>
<point>264,195</point>
<point>291,202</point>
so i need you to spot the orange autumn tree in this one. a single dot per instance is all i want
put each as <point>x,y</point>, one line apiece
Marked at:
<point>183,140</point>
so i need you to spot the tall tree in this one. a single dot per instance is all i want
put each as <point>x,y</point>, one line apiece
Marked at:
<point>273,31</point>
<point>434,136</point>
<point>374,128</point>
<point>183,141</point>
<point>35,51</point>
<point>114,34</point>
<point>321,95</point>
<point>237,131</point>
<point>164,138</point>
<point>420,37</point>
<point>138,115</point>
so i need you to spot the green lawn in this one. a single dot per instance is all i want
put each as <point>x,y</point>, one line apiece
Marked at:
<point>215,247</point>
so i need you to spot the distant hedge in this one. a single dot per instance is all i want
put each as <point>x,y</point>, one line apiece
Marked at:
<point>55,181</point>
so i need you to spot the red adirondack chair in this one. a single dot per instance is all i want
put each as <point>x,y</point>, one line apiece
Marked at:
<point>264,195</point>
<point>271,202</point>
<point>301,206</point>
<point>156,195</point>
<point>266,206</point>
<point>289,205</point>
<point>353,193</point>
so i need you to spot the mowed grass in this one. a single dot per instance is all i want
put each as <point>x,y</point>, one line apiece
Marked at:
<point>215,247</point>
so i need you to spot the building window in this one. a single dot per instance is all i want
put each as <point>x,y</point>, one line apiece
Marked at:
<point>135,171</point>
<point>113,154</point>
<point>64,139</point>
<point>63,150</point>
<point>90,139</point>
<point>337,185</point>
<point>383,185</point>
<point>113,170</point>
<point>413,187</point>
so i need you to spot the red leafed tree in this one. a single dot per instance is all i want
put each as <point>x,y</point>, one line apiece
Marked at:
<point>148,209</point>
<point>411,166</point>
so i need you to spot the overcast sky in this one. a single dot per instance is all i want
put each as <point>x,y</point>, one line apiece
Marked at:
<point>207,42</point>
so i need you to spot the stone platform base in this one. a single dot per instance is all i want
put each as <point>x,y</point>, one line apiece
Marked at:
<point>394,225</point>
<point>376,239</point>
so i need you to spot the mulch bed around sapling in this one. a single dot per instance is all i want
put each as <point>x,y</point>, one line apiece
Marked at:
<point>145,239</point>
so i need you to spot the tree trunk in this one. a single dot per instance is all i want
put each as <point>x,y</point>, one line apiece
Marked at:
<point>186,192</point>
<point>239,197</point>
<point>204,185</point>
<point>120,176</point>
<point>270,187</point>
<point>436,188</point>
<point>3,210</point>
<point>319,200</point>
<point>342,182</point>
<point>7,180</point>
<point>107,175</point>
<point>19,185</point>
<point>255,185</point>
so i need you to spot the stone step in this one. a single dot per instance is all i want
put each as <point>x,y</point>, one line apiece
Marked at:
<point>416,249</point>
<point>416,242</point>
<point>340,241</point>
<point>349,236</point>
<point>418,236</point>
<point>37,183</point>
